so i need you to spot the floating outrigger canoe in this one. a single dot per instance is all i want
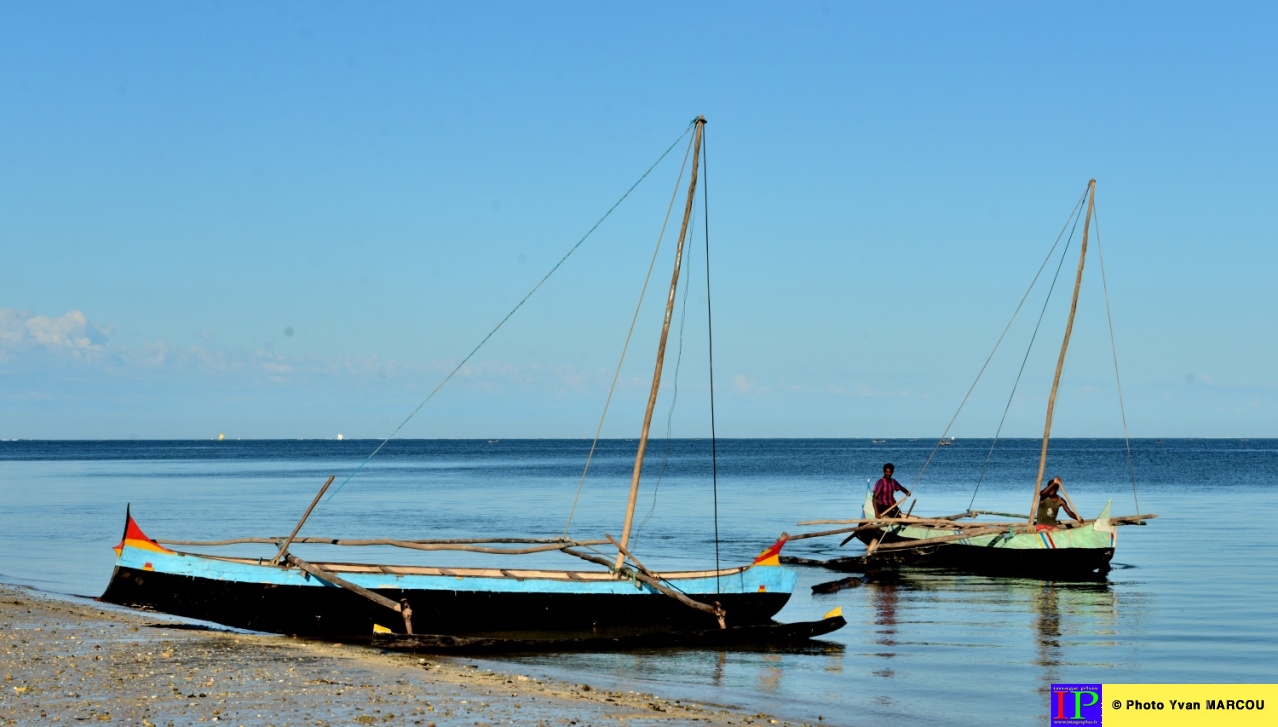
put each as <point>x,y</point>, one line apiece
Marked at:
<point>1025,546</point>
<point>1065,550</point>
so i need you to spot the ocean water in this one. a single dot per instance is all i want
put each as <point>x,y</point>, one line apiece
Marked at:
<point>1193,596</point>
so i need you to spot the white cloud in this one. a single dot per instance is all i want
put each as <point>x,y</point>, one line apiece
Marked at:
<point>73,337</point>
<point>71,334</point>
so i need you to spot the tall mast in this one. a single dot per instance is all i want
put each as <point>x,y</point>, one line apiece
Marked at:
<point>1060,362</point>
<point>661,347</point>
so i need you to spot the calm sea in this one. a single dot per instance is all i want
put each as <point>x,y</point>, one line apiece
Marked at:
<point>1193,596</point>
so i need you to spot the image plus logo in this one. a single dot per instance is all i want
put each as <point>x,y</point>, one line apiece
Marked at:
<point>1075,704</point>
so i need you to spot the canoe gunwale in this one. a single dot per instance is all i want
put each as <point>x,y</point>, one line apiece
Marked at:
<point>470,572</point>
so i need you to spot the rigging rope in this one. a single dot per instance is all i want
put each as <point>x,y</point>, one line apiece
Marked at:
<point>999,342</point>
<point>629,334</point>
<point>518,305</point>
<point>714,446</point>
<point>989,455</point>
<point>1131,469</point>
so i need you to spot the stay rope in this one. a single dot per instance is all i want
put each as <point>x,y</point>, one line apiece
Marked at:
<point>714,442</point>
<point>1113,347</point>
<point>501,323</point>
<point>1046,259</point>
<point>990,454</point>
<point>594,444</point>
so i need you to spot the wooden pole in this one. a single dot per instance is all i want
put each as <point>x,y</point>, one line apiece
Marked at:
<point>1060,362</point>
<point>289,540</point>
<point>715,610</point>
<point>661,347</point>
<point>922,542</point>
<point>551,543</point>
<point>401,608</point>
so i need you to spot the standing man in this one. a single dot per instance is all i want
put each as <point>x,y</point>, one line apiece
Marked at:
<point>885,493</point>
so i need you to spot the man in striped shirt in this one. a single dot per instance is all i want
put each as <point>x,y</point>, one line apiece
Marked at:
<point>885,493</point>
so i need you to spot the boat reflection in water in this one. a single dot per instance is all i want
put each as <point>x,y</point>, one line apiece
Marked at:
<point>988,629</point>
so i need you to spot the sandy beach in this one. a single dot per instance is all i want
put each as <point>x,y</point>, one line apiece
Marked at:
<point>72,661</point>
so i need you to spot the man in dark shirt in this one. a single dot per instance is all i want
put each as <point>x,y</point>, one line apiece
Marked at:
<point>885,493</point>
<point>1050,501</point>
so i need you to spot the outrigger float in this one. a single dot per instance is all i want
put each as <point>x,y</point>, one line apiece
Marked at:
<point>451,608</point>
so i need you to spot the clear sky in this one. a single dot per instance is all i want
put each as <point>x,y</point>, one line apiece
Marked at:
<point>292,219</point>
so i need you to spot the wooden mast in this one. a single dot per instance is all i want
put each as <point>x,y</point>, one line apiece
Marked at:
<point>1060,362</point>
<point>661,347</point>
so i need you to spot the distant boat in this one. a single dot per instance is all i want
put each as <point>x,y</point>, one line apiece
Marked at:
<point>946,442</point>
<point>286,594</point>
<point>1030,547</point>
<point>878,441</point>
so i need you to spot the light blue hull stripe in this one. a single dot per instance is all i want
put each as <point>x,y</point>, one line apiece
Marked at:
<point>773,579</point>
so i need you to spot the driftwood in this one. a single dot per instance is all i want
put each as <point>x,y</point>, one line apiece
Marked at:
<point>836,586</point>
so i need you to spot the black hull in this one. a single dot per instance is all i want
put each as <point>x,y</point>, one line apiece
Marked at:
<point>337,613</point>
<point>1047,564</point>
<point>1044,564</point>
<point>764,635</point>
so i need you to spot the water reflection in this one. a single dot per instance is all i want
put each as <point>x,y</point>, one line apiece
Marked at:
<point>918,612</point>
<point>1048,625</point>
<point>885,606</point>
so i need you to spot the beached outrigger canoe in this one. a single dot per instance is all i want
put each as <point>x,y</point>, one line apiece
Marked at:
<point>348,599</point>
<point>285,594</point>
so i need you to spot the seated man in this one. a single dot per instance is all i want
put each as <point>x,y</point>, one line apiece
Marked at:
<point>885,490</point>
<point>1050,501</point>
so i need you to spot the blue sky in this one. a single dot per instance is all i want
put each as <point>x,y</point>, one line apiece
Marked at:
<point>292,220</point>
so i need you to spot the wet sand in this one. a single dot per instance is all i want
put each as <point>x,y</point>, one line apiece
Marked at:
<point>70,661</point>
